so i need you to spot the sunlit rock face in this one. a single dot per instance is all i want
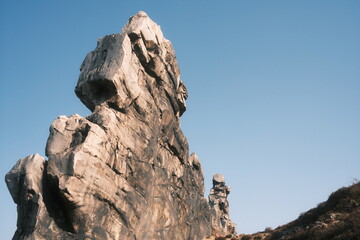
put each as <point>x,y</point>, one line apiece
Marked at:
<point>124,172</point>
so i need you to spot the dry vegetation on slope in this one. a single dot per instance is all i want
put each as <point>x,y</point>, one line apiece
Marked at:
<point>336,219</point>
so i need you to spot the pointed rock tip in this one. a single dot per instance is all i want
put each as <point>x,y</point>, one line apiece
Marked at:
<point>137,16</point>
<point>137,21</point>
<point>141,14</point>
<point>141,25</point>
<point>218,178</point>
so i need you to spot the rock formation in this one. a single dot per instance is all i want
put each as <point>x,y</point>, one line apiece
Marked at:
<point>124,172</point>
<point>221,223</point>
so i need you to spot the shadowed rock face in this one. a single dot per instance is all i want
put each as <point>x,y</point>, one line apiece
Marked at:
<point>221,223</point>
<point>124,172</point>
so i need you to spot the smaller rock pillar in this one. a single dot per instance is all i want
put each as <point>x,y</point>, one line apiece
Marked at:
<point>221,223</point>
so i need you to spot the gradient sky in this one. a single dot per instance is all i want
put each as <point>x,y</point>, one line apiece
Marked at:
<point>274,101</point>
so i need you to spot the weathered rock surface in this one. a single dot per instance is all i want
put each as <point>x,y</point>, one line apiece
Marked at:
<point>124,172</point>
<point>221,223</point>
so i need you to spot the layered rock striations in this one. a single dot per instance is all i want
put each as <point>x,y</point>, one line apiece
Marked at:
<point>124,172</point>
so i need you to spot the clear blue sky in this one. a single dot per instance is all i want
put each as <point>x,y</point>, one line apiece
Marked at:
<point>274,91</point>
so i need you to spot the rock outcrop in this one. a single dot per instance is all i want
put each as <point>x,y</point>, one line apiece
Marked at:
<point>124,172</point>
<point>221,223</point>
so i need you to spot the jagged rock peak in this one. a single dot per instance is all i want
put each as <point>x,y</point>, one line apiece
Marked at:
<point>112,73</point>
<point>124,172</point>
<point>221,223</point>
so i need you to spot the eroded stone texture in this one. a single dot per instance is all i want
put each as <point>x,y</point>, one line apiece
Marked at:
<point>124,172</point>
<point>36,204</point>
<point>220,222</point>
